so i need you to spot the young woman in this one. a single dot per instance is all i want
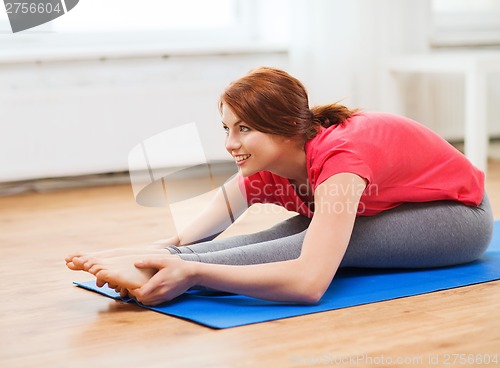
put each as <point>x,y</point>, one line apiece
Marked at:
<point>370,190</point>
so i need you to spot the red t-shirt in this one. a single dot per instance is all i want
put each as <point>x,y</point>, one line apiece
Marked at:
<point>402,161</point>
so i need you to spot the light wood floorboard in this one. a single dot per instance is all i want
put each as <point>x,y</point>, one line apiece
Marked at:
<point>47,322</point>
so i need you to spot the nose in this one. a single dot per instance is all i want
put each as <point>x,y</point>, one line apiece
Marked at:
<point>232,142</point>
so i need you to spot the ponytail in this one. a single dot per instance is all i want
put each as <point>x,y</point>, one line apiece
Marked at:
<point>332,114</point>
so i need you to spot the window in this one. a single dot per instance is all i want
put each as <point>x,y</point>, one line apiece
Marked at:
<point>131,23</point>
<point>465,23</point>
<point>91,16</point>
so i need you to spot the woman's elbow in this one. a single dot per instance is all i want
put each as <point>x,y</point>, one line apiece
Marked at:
<point>311,292</point>
<point>310,298</point>
<point>311,284</point>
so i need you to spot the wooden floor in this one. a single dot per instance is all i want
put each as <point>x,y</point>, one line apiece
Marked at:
<point>47,322</point>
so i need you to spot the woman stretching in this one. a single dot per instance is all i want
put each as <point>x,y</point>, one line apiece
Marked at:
<point>370,190</point>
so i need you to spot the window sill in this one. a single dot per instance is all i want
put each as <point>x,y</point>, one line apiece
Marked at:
<point>37,54</point>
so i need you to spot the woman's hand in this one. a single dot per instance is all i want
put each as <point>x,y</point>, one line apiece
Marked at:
<point>124,293</point>
<point>173,278</point>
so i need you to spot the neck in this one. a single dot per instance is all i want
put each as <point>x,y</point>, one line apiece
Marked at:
<point>293,166</point>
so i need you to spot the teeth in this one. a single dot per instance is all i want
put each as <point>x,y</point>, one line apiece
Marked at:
<point>241,157</point>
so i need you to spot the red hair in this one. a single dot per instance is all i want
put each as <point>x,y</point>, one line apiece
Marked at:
<point>272,101</point>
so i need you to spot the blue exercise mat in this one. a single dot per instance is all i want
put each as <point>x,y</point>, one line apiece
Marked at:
<point>350,287</point>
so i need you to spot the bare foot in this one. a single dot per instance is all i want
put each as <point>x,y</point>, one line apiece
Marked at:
<point>121,272</point>
<point>77,261</point>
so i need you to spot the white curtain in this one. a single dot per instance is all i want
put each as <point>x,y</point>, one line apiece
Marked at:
<point>338,47</point>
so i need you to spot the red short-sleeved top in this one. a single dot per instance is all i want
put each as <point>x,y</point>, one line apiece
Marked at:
<point>402,161</point>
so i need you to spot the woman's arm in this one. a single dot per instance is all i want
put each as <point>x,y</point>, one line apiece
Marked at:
<point>302,280</point>
<point>224,208</point>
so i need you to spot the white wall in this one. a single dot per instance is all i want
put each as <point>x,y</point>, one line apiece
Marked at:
<point>64,117</point>
<point>73,115</point>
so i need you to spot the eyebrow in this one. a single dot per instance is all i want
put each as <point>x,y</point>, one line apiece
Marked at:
<point>235,124</point>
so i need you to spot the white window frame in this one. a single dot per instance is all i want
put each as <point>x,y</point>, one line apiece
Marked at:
<point>248,34</point>
<point>464,23</point>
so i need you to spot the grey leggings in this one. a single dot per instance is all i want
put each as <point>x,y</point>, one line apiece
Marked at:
<point>413,235</point>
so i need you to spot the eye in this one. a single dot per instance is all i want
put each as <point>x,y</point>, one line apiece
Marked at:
<point>226,129</point>
<point>244,129</point>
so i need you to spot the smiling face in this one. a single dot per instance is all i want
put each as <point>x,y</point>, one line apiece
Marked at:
<point>254,151</point>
